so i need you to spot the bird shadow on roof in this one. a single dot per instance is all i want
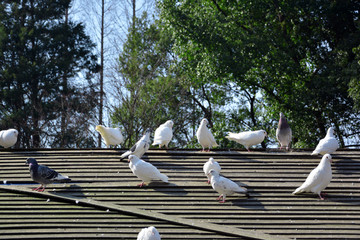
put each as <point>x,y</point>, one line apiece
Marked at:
<point>167,188</point>
<point>249,201</point>
<point>73,189</point>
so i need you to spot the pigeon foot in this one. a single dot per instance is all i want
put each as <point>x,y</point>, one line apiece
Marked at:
<point>142,184</point>
<point>39,189</point>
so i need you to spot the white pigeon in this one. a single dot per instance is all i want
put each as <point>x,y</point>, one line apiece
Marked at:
<point>150,233</point>
<point>209,165</point>
<point>8,137</point>
<point>163,134</point>
<point>111,136</point>
<point>140,147</point>
<point>328,144</point>
<point>224,186</point>
<point>283,132</point>
<point>318,178</point>
<point>145,171</point>
<point>204,136</point>
<point>248,138</point>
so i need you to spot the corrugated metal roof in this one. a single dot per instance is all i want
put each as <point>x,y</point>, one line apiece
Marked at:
<point>104,201</point>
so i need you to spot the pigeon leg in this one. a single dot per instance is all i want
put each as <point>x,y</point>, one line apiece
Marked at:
<point>35,189</point>
<point>142,184</point>
<point>223,199</point>
<point>39,188</point>
<point>321,197</point>
<point>219,197</point>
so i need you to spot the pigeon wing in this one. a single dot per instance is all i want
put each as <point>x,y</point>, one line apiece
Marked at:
<point>47,173</point>
<point>162,134</point>
<point>148,172</point>
<point>211,138</point>
<point>315,178</point>
<point>326,145</point>
<point>115,136</point>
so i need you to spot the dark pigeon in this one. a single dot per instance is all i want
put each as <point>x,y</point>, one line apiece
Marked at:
<point>44,175</point>
<point>283,132</point>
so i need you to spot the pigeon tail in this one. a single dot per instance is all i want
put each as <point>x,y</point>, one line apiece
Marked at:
<point>125,154</point>
<point>298,190</point>
<point>314,153</point>
<point>164,178</point>
<point>62,179</point>
<point>243,190</point>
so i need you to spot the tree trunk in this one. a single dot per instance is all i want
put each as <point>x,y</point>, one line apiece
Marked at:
<point>101,69</point>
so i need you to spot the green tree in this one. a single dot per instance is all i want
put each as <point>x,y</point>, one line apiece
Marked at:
<point>297,55</point>
<point>41,53</point>
<point>149,90</point>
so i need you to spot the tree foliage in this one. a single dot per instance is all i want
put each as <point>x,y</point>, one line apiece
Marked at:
<point>299,56</point>
<point>147,91</point>
<point>40,56</point>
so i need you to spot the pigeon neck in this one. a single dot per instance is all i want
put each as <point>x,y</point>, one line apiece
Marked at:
<point>283,123</point>
<point>33,167</point>
<point>329,134</point>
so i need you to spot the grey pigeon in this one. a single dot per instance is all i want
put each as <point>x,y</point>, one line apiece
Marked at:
<point>150,233</point>
<point>44,175</point>
<point>8,137</point>
<point>224,186</point>
<point>140,147</point>
<point>318,178</point>
<point>328,144</point>
<point>283,132</point>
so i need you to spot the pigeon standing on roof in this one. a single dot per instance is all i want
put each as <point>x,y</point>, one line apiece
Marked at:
<point>211,165</point>
<point>44,175</point>
<point>8,137</point>
<point>329,144</point>
<point>150,233</point>
<point>204,136</point>
<point>248,138</point>
<point>163,134</point>
<point>224,186</point>
<point>283,132</point>
<point>318,178</point>
<point>140,147</point>
<point>111,136</point>
<point>145,171</point>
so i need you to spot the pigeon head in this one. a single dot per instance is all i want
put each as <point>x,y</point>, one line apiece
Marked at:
<point>148,131</point>
<point>31,162</point>
<point>327,157</point>
<point>204,121</point>
<point>211,160</point>
<point>169,123</point>
<point>264,132</point>
<point>153,230</point>
<point>213,173</point>
<point>99,128</point>
<point>14,132</point>
<point>330,132</point>
<point>133,159</point>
